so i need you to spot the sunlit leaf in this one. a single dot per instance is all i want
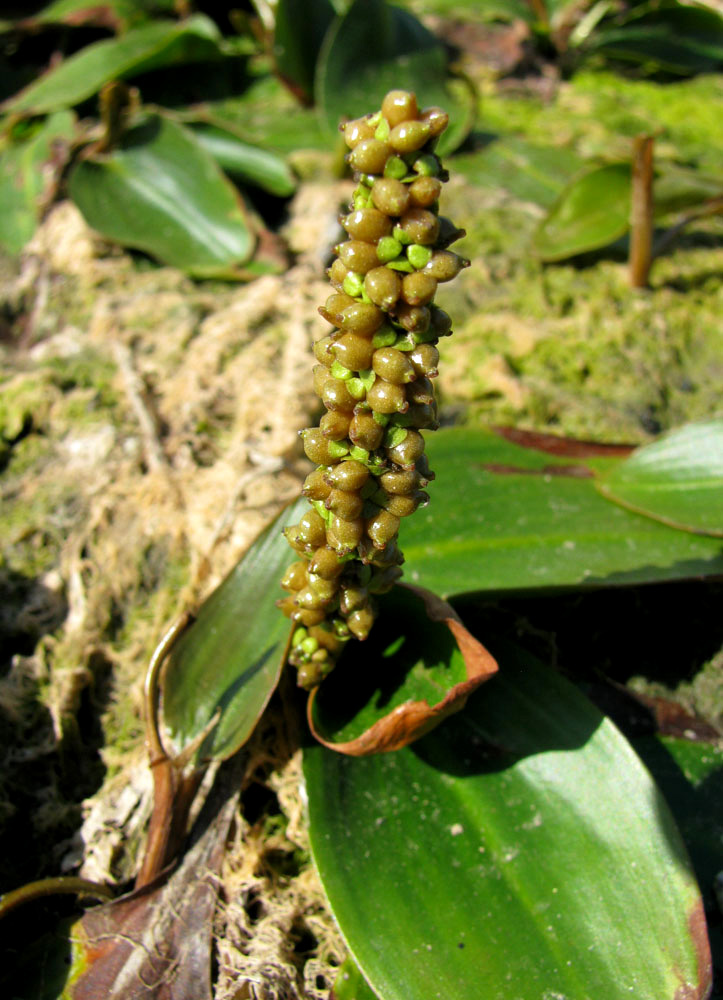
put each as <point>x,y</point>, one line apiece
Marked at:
<point>229,660</point>
<point>506,517</point>
<point>160,192</point>
<point>678,188</point>
<point>665,35</point>
<point>299,30</point>
<point>677,480</point>
<point>28,169</point>
<point>377,47</point>
<point>162,43</point>
<point>245,161</point>
<point>529,172</point>
<point>115,14</point>
<point>418,666</point>
<point>519,850</point>
<point>350,984</point>
<point>592,212</point>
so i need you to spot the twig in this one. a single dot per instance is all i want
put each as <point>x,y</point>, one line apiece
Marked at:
<point>136,391</point>
<point>641,212</point>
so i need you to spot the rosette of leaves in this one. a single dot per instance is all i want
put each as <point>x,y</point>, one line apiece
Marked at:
<point>169,183</point>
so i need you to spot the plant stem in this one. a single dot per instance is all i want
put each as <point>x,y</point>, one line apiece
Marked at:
<point>51,887</point>
<point>641,211</point>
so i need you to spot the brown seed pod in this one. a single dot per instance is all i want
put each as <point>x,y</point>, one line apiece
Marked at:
<point>295,576</point>
<point>358,256</point>
<point>353,351</point>
<point>362,318</point>
<point>325,563</point>
<point>367,224</point>
<point>425,359</point>
<point>364,431</point>
<point>383,286</point>
<point>315,487</point>
<point>387,397</point>
<point>357,130</point>
<point>424,191</point>
<point>399,106</point>
<point>445,265</point>
<point>408,452</point>
<point>350,476</point>
<point>369,156</point>
<point>408,136</point>
<point>418,288</point>
<point>335,424</point>
<point>393,365</point>
<point>420,226</point>
<point>382,528</point>
<point>346,505</point>
<point>390,196</point>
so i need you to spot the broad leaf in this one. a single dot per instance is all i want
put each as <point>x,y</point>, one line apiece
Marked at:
<point>163,43</point>
<point>299,30</point>
<point>678,188</point>
<point>505,517</point>
<point>160,192</point>
<point>519,850</point>
<point>115,14</point>
<point>677,480</point>
<point>28,168</point>
<point>248,163</point>
<point>350,984</point>
<point>666,35</point>
<point>226,666</point>
<point>375,48</point>
<point>529,172</point>
<point>419,665</point>
<point>591,213</point>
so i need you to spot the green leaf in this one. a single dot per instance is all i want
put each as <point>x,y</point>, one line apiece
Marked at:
<point>299,30</point>
<point>160,192</point>
<point>28,168</point>
<point>375,48</point>
<point>163,43</point>
<point>117,14</point>
<point>592,212</point>
<point>666,35</point>
<point>529,172</point>
<point>350,984</point>
<point>520,850</point>
<point>247,162</point>
<point>505,517</point>
<point>418,666</point>
<point>230,659</point>
<point>678,188</point>
<point>677,479</point>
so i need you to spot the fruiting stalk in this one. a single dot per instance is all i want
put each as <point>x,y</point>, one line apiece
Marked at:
<point>374,376</point>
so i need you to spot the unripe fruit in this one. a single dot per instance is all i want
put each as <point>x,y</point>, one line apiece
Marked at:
<point>358,256</point>
<point>312,529</point>
<point>362,318</point>
<point>346,505</point>
<point>365,432</point>
<point>408,136</point>
<point>393,365</point>
<point>383,286</point>
<point>349,476</point>
<point>386,397</point>
<point>425,359</point>
<point>418,289</point>
<point>353,351</point>
<point>315,487</point>
<point>436,119</point>
<point>420,225</point>
<point>335,424</point>
<point>424,191</point>
<point>399,106</point>
<point>368,224</point>
<point>382,528</point>
<point>357,130</point>
<point>369,156</point>
<point>360,622</point>
<point>390,196</point>
<point>295,576</point>
<point>325,563</point>
<point>445,265</point>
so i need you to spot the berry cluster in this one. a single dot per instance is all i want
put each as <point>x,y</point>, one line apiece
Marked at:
<point>374,378</point>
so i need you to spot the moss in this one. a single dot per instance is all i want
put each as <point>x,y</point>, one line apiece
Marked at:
<point>571,346</point>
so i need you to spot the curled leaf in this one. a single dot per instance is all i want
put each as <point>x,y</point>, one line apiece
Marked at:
<point>419,665</point>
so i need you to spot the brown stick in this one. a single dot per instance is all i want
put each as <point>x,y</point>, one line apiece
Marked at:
<point>641,212</point>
